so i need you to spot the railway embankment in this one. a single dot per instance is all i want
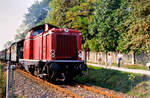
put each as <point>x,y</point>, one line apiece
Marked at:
<point>118,81</point>
<point>72,91</point>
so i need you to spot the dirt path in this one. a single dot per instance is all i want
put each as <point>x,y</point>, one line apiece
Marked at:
<point>123,69</point>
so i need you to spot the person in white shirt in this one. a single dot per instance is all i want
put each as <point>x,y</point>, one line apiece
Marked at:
<point>119,58</point>
<point>109,60</point>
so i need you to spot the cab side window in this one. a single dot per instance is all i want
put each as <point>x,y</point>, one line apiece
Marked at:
<point>36,32</point>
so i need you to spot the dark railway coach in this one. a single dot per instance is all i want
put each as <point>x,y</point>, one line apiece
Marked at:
<point>8,55</point>
<point>16,51</point>
<point>3,55</point>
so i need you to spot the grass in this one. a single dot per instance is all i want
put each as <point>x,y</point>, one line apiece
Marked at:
<point>136,67</point>
<point>142,90</point>
<point>2,83</point>
<point>115,80</point>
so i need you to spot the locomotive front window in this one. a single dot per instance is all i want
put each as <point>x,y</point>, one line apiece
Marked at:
<point>36,32</point>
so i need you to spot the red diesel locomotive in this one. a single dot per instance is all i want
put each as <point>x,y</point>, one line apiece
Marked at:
<point>49,52</point>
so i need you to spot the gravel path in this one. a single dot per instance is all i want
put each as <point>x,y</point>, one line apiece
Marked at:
<point>123,69</point>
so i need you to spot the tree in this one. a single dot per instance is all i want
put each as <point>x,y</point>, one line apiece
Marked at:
<point>104,23</point>
<point>136,37</point>
<point>57,15</point>
<point>37,13</point>
<point>80,16</point>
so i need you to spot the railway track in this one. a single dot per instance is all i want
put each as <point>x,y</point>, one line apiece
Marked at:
<point>75,91</point>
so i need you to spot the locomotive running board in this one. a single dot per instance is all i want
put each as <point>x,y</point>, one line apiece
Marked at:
<point>67,61</point>
<point>52,61</point>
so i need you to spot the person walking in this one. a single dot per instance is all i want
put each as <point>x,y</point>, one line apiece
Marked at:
<point>100,58</point>
<point>119,58</point>
<point>109,60</point>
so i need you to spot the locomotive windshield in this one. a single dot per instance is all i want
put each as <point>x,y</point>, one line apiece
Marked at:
<point>36,32</point>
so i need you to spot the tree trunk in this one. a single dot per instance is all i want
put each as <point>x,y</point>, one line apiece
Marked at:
<point>105,57</point>
<point>133,57</point>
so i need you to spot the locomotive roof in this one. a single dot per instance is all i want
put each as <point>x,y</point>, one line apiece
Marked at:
<point>40,26</point>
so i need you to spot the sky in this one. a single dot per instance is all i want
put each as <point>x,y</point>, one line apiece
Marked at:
<point>11,16</point>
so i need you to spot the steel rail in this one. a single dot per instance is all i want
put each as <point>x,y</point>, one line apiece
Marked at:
<point>99,91</point>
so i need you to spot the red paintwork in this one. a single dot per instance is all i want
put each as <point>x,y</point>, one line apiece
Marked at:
<point>28,45</point>
<point>65,44</point>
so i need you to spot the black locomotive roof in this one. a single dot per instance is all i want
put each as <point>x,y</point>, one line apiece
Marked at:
<point>41,26</point>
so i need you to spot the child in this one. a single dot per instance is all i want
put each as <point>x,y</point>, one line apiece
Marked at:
<point>100,58</point>
<point>109,60</point>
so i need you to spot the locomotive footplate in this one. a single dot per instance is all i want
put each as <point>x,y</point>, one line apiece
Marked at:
<point>53,70</point>
<point>36,62</point>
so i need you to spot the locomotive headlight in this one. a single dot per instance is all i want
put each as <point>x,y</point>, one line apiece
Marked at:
<point>52,53</point>
<point>80,54</point>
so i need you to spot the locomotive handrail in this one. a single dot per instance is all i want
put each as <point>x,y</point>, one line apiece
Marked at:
<point>71,61</point>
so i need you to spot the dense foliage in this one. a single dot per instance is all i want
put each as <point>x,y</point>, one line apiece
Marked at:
<point>37,13</point>
<point>136,35</point>
<point>106,25</point>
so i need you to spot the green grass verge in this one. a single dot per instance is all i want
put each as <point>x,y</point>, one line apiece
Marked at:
<point>142,90</point>
<point>113,79</point>
<point>136,67</point>
<point>2,83</point>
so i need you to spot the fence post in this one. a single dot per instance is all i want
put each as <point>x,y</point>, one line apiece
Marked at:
<point>13,67</point>
<point>8,80</point>
<point>133,58</point>
<point>1,79</point>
